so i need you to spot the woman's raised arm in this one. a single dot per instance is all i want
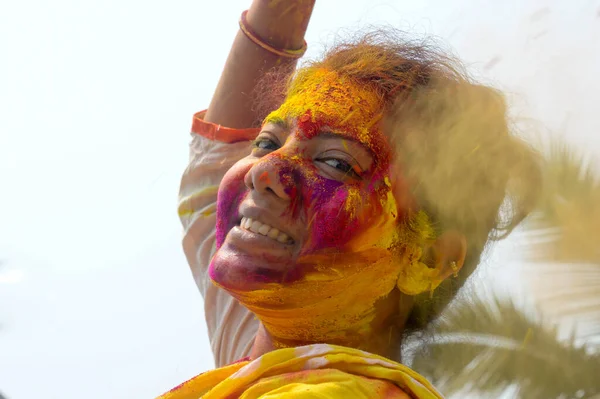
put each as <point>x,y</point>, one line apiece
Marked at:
<point>279,24</point>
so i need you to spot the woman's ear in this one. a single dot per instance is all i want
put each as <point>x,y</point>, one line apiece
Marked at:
<point>448,254</point>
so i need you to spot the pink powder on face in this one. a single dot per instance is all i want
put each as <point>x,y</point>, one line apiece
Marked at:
<point>334,213</point>
<point>325,206</point>
<point>341,217</point>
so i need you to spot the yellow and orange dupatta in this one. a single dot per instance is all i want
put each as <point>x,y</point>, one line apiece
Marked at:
<point>313,371</point>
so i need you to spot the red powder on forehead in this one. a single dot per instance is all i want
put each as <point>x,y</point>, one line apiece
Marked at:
<point>308,126</point>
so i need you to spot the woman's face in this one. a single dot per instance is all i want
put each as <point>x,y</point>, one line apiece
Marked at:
<point>313,196</point>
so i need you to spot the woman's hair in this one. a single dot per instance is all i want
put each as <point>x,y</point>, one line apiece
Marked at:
<point>451,136</point>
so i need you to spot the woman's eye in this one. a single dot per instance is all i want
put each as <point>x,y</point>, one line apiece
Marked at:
<point>342,166</point>
<point>265,144</point>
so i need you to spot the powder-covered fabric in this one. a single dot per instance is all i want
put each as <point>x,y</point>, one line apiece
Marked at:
<point>312,371</point>
<point>213,150</point>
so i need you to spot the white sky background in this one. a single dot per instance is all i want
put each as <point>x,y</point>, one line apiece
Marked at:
<point>96,101</point>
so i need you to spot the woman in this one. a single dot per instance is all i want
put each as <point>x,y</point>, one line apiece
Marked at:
<point>349,218</point>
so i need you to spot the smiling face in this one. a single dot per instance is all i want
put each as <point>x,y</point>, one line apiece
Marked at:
<point>313,201</point>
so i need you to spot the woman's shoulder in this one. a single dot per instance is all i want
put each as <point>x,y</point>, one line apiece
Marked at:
<point>199,385</point>
<point>321,369</point>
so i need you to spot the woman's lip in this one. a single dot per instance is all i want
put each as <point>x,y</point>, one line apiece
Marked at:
<point>249,240</point>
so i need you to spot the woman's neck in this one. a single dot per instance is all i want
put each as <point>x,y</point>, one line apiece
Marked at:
<point>377,331</point>
<point>353,302</point>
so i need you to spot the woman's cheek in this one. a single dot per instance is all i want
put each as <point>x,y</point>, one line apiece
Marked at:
<point>342,217</point>
<point>232,192</point>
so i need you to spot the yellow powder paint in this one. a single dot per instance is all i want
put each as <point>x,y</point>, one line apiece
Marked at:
<point>353,201</point>
<point>387,182</point>
<point>343,103</point>
<point>296,158</point>
<point>416,234</point>
<point>320,308</point>
<point>389,204</point>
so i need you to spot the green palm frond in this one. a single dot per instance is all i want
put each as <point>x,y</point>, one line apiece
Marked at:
<point>571,175</point>
<point>563,237</point>
<point>567,221</point>
<point>484,346</point>
<point>570,292</point>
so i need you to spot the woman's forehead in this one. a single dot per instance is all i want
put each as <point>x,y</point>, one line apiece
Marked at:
<point>322,101</point>
<point>331,99</point>
<point>289,128</point>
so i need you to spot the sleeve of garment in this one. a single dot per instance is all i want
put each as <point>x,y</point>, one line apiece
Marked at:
<point>213,150</point>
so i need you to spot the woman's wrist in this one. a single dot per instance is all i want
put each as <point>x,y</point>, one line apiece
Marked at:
<point>259,41</point>
<point>280,24</point>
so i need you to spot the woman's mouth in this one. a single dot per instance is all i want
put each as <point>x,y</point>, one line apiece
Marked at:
<point>264,229</point>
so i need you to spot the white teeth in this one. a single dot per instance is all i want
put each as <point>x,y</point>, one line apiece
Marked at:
<point>282,238</point>
<point>255,226</point>
<point>265,230</point>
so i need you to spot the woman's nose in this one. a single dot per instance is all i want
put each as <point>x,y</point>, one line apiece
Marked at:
<point>271,176</point>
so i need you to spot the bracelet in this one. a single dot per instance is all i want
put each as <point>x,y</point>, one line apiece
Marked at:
<point>256,40</point>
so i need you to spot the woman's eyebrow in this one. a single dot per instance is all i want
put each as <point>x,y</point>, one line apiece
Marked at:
<point>338,136</point>
<point>346,137</point>
<point>280,123</point>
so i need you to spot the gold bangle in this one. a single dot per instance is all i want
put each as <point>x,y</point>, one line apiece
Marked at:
<point>256,40</point>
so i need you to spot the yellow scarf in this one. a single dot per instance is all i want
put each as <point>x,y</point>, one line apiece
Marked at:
<point>312,371</point>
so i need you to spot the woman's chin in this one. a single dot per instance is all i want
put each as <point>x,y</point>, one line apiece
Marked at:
<point>242,270</point>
